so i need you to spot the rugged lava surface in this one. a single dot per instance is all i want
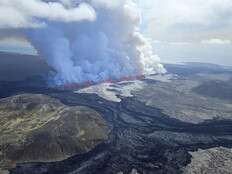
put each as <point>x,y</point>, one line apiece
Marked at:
<point>215,160</point>
<point>157,126</point>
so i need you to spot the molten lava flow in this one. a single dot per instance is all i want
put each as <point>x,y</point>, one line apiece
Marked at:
<point>72,86</point>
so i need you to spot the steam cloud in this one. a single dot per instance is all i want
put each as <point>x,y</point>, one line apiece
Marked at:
<point>86,40</point>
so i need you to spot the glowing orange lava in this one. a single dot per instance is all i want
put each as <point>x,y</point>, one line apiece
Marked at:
<point>71,86</point>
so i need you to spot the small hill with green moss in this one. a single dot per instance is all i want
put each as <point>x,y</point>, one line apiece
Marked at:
<point>38,128</point>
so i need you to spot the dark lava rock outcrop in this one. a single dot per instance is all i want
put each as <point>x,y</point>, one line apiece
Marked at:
<point>38,128</point>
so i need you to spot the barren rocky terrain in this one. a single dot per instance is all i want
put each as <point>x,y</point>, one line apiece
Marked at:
<point>215,160</point>
<point>169,124</point>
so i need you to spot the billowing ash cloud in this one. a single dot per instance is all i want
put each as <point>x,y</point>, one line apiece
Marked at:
<point>87,40</point>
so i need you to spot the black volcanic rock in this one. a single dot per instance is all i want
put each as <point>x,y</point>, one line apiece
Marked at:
<point>159,125</point>
<point>38,128</point>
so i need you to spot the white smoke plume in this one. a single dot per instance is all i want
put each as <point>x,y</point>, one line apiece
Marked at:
<point>86,40</point>
<point>35,13</point>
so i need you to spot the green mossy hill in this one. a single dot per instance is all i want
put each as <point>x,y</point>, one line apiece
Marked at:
<point>38,128</point>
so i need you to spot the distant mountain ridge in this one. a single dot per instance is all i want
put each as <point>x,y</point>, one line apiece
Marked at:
<point>17,67</point>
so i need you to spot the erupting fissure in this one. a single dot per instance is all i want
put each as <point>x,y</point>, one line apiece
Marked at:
<point>105,43</point>
<point>90,83</point>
